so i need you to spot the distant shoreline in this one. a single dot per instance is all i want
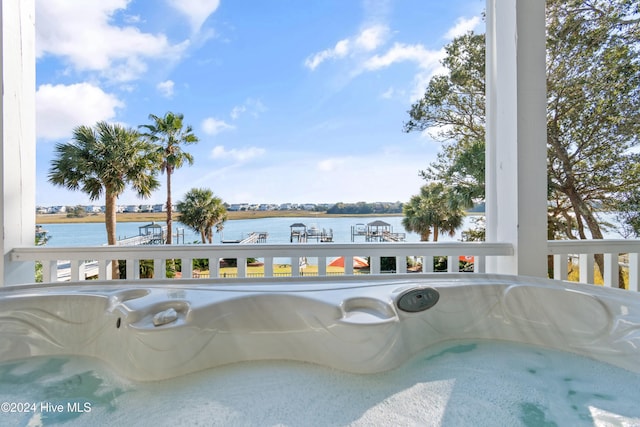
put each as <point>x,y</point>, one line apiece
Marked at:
<point>162,216</point>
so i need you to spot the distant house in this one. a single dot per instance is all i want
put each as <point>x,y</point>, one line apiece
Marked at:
<point>132,208</point>
<point>92,209</point>
<point>238,207</point>
<point>159,208</point>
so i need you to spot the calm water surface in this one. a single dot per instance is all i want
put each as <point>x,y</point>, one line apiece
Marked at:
<point>94,234</point>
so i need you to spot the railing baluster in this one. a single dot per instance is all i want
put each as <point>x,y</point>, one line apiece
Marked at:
<point>322,266</point>
<point>187,268</point>
<point>348,265</point>
<point>610,275</point>
<point>401,264</point>
<point>268,266</point>
<point>374,264</point>
<point>159,268</point>
<point>103,266</point>
<point>479,264</point>
<point>241,265</point>
<point>427,264</point>
<point>561,266</point>
<point>50,271</point>
<point>634,271</point>
<point>74,270</point>
<point>586,264</point>
<point>452,265</point>
<point>214,267</point>
<point>132,268</point>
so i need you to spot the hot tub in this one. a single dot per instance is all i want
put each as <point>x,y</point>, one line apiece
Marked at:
<point>377,326</point>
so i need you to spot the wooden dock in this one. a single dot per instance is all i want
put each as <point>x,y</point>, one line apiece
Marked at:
<point>301,233</point>
<point>64,270</point>
<point>376,231</point>
<point>143,240</point>
<point>253,237</point>
<point>151,234</point>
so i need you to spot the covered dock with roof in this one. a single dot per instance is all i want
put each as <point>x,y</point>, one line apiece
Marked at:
<point>376,231</point>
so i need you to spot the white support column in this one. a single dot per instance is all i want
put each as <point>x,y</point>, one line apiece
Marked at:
<point>516,181</point>
<point>17,128</point>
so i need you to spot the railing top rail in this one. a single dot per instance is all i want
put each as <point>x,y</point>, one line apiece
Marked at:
<point>263,250</point>
<point>594,246</point>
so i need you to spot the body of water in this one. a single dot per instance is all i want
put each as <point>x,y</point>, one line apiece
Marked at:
<point>278,229</point>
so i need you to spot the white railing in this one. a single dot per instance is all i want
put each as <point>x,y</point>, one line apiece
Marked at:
<point>425,253</point>
<point>617,255</point>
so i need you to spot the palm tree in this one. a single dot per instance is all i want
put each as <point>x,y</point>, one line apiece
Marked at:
<point>168,133</point>
<point>201,211</point>
<point>437,208</point>
<point>415,220</point>
<point>104,160</point>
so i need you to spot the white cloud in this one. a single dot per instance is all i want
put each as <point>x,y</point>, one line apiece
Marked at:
<point>331,164</point>
<point>338,51</point>
<point>83,33</point>
<point>60,108</point>
<point>166,88</point>
<point>367,40</point>
<point>337,179</point>
<point>400,52</point>
<point>388,94</point>
<point>196,11</point>
<point>212,126</point>
<point>372,37</point>
<point>237,111</point>
<point>427,61</point>
<point>239,155</point>
<point>251,106</point>
<point>462,27</point>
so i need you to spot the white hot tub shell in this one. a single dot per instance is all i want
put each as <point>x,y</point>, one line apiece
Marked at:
<point>163,330</point>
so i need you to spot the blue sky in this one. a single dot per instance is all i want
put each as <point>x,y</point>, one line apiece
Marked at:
<point>293,101</point>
